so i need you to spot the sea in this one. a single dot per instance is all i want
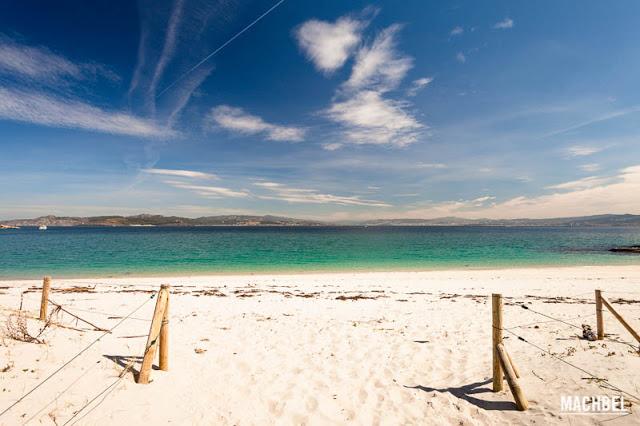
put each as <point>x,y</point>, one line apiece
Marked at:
<point>75,252</point>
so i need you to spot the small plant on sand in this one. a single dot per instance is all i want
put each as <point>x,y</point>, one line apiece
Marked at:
<point>16,327</point>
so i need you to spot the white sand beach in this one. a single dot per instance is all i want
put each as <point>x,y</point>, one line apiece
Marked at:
<point>344,348</point>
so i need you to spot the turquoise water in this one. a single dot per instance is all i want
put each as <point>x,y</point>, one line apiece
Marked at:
<point>83,252</point>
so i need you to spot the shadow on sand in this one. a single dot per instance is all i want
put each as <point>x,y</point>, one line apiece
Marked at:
<point>466,392</point>
<point>130,362</point>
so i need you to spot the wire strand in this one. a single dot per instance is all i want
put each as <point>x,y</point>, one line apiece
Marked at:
<point>75,357</point>
<point>612,386</point>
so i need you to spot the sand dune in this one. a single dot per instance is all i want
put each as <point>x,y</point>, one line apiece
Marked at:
<point>367,348</point>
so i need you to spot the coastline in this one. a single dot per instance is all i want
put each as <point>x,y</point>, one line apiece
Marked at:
<point>633,262</point>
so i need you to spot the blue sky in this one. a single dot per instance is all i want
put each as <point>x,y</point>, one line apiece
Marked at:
<point>332,110</point>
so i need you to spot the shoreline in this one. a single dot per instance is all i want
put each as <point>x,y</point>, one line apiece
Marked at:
<point>110,279</point>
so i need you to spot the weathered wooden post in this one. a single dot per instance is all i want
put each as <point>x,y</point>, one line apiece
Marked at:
<point>514,386</point>
<point>44,302</point>
<point>600,322</point>
<point>154,336</point>
<point>626,325</point>
<point>496,307</point>
<point>164,333</point>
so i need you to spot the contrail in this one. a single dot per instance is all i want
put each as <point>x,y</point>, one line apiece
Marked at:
<point>220,48</point>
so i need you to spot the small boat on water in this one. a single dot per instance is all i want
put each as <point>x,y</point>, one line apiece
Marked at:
<point>42,227</point>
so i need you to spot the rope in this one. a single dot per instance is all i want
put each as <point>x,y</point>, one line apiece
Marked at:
<point>75,356</point>
<point>611,385</point>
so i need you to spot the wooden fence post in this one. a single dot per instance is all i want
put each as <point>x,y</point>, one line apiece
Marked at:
<point>164,333</point>
<point>154,337</point>
<point>46,285</point>
<point>496,307</point>
<point>600,322</point>
<point>514,386</point>
<point>515,369</point>
<point>622,320</point>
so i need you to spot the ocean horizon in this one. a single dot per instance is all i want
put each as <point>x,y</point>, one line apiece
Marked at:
<point>79,252</point>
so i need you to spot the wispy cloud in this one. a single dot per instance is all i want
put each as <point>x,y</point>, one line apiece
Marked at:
<point>329,44</point>
<point>432,166</point>
<point>591,167</point>
<point>461,58</point>
<point>208,191</point>
<point>297,195</point>
<point>181,173</point>
<point>237,120</point>
<point>55,111</point>
<point>380,66</point>
<point>596,195</point>
<point>368,118</point>
<point>598,119</point>
<point>179,95</point>
<point>582,151</point>
<point>584,183</point>
<point>168,50</point>
<point>504,24</point>
<point>456,31</point>
<point>41,65</point>
<point>418,85</point>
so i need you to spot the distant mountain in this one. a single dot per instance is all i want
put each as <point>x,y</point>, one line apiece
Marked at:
<point>585,221</point>
<point>159,220</point>
<point>243,220</point>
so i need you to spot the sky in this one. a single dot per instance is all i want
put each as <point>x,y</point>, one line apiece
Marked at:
<point>333,110</point>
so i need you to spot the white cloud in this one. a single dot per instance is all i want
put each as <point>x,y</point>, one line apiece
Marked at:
<point>616,194</point>
<point>368,118</point>
<point>418,85</point>
<point>582,151</point>
<point>297,195</point>
<point>504,24</point>
<point>181,173</point>
<point>480,201</point>
<point>42,65</point>
<point>237,120</point>
<point>379,66</point>
<point>208,191</point>
<point>365,116</point>
<point>168,50</point>
<point>591,167</point>
<point>584,183</point>
<point>329,45</point>
<point>432,166</point>
<point>56,111</point>
<point>457,31</point>
<point>332,146</point>
<point>461,58</point>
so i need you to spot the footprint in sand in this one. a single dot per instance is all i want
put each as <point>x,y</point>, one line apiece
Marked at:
<point>312,404</point>
<point>362,394</point>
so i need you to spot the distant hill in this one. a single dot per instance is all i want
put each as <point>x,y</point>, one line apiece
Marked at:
<point>159,220</point>
<point>585,221</point>
<point>244,220</point>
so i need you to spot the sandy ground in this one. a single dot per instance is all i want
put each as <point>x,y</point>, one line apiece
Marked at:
<point>409,348</point>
